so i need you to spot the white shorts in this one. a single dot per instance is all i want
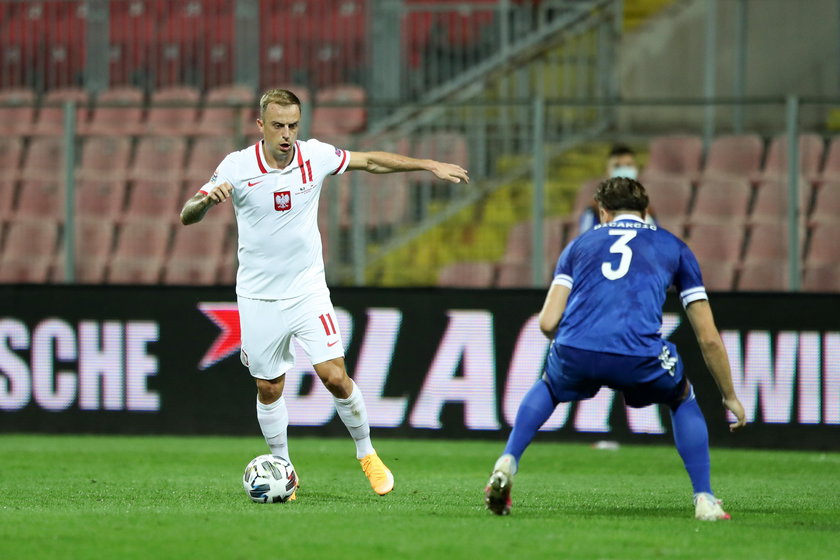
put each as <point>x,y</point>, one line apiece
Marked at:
<point>268,327</point>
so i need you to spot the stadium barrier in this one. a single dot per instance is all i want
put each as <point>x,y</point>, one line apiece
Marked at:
<point>430,362</point>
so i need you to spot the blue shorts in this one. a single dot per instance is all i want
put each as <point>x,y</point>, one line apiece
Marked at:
<point>573,374</point>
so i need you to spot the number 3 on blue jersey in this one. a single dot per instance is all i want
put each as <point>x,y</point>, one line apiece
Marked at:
<point>620,247</point>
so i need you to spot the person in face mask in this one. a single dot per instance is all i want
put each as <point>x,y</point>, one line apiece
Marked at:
<point>621,162</point>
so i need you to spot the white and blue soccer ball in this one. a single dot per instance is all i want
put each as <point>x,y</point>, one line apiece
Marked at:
<point>269,479</point>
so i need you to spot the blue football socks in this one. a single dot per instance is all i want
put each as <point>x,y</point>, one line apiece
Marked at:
<point>692,438</point>
<point>536,407</point>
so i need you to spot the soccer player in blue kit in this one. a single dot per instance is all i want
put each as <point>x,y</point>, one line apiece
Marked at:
<point>603,313</point>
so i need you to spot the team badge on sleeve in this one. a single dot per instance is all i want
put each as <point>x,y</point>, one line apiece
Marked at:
<point>214,177</point>
<point>282,201</point>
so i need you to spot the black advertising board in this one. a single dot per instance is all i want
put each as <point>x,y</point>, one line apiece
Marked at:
<point>430,362</point>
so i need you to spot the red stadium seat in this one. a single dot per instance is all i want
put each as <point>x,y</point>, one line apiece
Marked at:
<point>41,198</point>
<point>154,200</point>
<point>94,241</point>
<point>205,156</point>
<point>140,251</point>
<point>721,200</point>
<point>718,276</point>
<point>823,278</point>
<point>331,118</point>
<point>173,111</point>
<point>203,240</point>
<point>771,200</point>
<point>513,275</point>
<point>8,189</point>
<point>228,110</point>
<point>17,111</point>
<point>827,203</point>
<point>11,154</point>
<point>734,156</point>
<point>446,146</point>
<point>764,276</point>
<point>677,154</point>
<point>669,197</point>
<point>387,198</point>
<point>29,248</point>
<point>716,241</point>
<point>193,272</point>
<point>472,274</point>
<point>44,159</point>
<point>104,157</point>
<point>824,247</point>
<point>100,198</point>
<point>831,168</point>
<point>769,241</point>
<point>50,119</point>
<point>118,112</point>
<point>159,158</point>
<point>810,156</point>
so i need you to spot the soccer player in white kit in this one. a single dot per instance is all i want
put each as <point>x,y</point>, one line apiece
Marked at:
<point>280,285</point>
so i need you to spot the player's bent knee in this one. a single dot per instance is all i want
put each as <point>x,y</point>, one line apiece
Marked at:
<point>333,376</point>
<point>270,390</point>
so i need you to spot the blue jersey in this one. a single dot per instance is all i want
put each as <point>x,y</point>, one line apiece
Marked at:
<point>618,274</point>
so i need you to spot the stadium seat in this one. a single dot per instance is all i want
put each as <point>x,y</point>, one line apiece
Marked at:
<point>444,145</point>
<point>764,276</point>
<point>100,198</point>
<point>716,241</point>
<point>387,198</point>
<point>718,276</point>
<point>674,155</point>
<point>514,270</point>
<point>205,156</point>
<point>17,111</point>
<point>810,156</point>
<point>140,251</point>
<point>336,119</point>
<point>734,156</point>
<point>203,240</point>
<point>824,247</point>
<point>134,270</point>
<point>94,241</point>
<point>11,154</point>
<point>771,200</point>
<point>831,168</point>
<point>159,158</point>
<point>194,272</point>
<point>50,120</point>
<point>28,250</point>
<point>173,110</point>
<point>104,157</point>
<point>8,189</point>
<point>827,203</point>
<point>769,241</point>
<point>154,200</point>
<point>44,159</point>
<point>472,274</point>
<point>41,199</point>
<point>721,200</point>
<point>228,110</point>
<point>824,278</point>
<point>675,225</point>
<point>513,275</point>
<point>669,197</point>
<point>117,112</point>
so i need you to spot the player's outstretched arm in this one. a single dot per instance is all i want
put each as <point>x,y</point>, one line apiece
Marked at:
<point>196,207</point>
<point>386,162</point>
<point>714,354</point>
<point>553,308</point>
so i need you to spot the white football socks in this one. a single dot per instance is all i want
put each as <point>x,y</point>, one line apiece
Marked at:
<point>353,413</point>
<point>274,423</point>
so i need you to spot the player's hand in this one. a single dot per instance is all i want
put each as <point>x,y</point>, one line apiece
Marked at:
<point>451,172</point>
<point>220,193</point>
<point>736,408</point>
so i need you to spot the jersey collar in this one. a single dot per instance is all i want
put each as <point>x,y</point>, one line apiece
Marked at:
<point>621,217</point>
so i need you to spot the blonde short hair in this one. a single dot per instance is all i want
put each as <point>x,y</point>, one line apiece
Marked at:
<point>279,96</point>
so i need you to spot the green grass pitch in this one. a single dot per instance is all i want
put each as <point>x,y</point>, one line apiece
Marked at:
<point>171,497</point>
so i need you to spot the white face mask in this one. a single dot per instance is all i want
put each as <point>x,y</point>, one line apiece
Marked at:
<point>628,171</point>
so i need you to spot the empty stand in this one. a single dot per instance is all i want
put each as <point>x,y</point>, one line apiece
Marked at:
<point>669,197</point>
<point>473,274</point>
<point>199,241</point>
<point>810,156</point>
<point>140,251</point>
<point>721,200</point>
<point>17,111</point>
<point>94,240</point>
<point>771,200</point>
<point>677,154</point>
<point>194,272</point>
<point>105,157</point>
<point>228,110</point>
<point>387,198</point>
<point>831,168</point>
<point>445,145</point>
<point>764,276</point>
<point>44,159</point>
<point>827,203</point>
<point>769,241</point>
<point>823,278</point>
<point>28,250</point>
<point>118,111</point>
<point>154,200</point>
<point>173,110</point>
<point>716,241</point>
<point>339,109</point>
<point>11,155</point>
<point>205,156</point>
<point>100,199</point>
<point>41,199</point>
<point>718,276</point>
<point>159,158</point>
<point>50,120</point>
<point>514,270</point>
<point>824,247</point>
<point>736,155</point>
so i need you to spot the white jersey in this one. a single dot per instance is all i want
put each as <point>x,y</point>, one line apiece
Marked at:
<point>280,253</point>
